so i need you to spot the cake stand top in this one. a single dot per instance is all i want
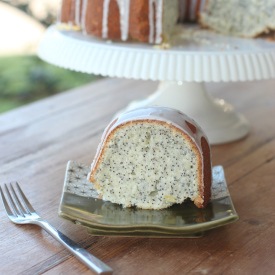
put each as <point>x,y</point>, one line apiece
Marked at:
<point>192,55</point>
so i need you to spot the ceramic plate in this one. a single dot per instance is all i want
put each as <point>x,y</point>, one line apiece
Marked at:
<point>80,204</point>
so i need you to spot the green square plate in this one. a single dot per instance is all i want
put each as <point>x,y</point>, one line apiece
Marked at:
<point>80,204</point>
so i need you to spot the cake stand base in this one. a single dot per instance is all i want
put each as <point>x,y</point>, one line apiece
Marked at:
<point>217,118</point>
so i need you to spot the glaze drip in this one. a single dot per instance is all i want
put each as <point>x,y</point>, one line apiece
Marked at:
<point>158,4</point>
<point>124,11</point>
<point>105,18</point>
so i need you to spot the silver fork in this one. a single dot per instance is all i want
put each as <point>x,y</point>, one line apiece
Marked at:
<point>27,215</point>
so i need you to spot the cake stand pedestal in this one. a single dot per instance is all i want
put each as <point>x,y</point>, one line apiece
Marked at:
<point>193,57</point>
<point>219,119</point>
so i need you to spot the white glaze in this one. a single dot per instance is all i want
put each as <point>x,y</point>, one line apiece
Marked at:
<point>77,12</point>
<point>105,18</point>
<point>124,11</point>
<point>158,23</point>
<point>83,16</point>
<point>165,114</point>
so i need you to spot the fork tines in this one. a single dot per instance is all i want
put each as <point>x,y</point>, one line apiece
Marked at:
<point>15,208</point>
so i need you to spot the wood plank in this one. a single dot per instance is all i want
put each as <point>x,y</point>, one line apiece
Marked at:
<point>249,162</point>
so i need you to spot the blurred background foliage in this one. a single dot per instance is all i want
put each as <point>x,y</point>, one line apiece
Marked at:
<point>26,78</point>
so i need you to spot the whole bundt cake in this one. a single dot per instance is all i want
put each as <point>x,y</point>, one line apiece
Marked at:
<point>154,21</point>
<point>151,158</point>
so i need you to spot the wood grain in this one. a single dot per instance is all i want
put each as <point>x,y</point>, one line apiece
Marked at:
<point>37,140</point>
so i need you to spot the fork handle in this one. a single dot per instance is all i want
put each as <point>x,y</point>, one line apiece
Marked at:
<point>83,255</point>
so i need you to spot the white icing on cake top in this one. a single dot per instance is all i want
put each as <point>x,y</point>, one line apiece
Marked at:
<point>165,114</point>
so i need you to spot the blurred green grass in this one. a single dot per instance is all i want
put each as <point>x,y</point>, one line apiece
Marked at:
<point>24,79</point>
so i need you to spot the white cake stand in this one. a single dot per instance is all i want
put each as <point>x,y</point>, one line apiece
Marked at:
<point>193,57</point>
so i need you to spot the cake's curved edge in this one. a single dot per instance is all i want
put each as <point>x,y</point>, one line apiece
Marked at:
<point>191,130</point>
<point>199,200</point>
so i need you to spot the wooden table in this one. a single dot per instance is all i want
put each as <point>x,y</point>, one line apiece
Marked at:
<point>37,140</point>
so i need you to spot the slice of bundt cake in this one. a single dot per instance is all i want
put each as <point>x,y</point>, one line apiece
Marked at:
<point>151,158</point>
